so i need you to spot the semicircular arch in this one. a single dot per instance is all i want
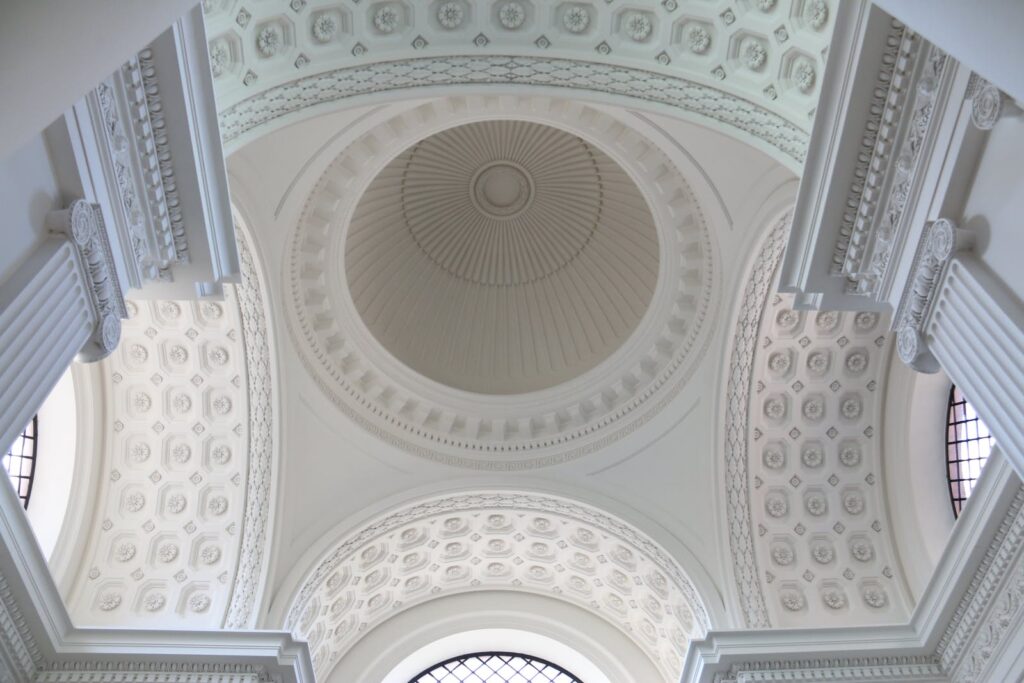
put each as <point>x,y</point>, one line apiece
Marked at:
<point>504,541</point>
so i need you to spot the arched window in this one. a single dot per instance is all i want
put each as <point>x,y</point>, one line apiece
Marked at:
<point>495,667</point>
<point>968,443</point>
<point>20,460</point>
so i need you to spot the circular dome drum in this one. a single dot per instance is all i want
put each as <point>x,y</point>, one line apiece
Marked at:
<point>502,257</point>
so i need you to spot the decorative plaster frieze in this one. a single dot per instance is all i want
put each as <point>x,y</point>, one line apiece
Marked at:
<point>741,540</point>
<point>138,157</point>
<point>899,120</point>
<point>880,218</point>
<point>504,541</point>
<point>803,471</point>
<point>20,657</point>
<point>419,73</point>
<point>937,245</point>
<point>250,577</point>
<point>991,603</point>
<point>159,672</point>
<point>879,669</point>
<point>83,224</point>
<point>142,71</point>
<point>734,68</point>
<point>518,431</point>
<point>165,544</point>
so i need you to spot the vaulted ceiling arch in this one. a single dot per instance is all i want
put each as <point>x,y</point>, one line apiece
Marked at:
<point>750,69</point>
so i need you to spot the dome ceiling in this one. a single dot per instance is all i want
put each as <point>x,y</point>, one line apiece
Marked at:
<point>502,257</point>
<point>479,281</point>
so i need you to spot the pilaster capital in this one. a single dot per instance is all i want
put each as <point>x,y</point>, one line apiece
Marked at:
<point>938,245</point>
<point>82,222</point>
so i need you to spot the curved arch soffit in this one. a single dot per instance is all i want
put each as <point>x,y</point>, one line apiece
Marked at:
<point>513,432</point>
<point>808,529</point>
<point>753,72</point>
<point>181,504</point>
<point>498,541</point>
<point>250,578</point>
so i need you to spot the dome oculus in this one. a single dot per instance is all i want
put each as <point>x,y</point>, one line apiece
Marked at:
<point>502,257</point>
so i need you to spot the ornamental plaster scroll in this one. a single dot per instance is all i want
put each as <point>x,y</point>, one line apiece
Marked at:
<point>803,411</point>
<point>138,153</point>
<point>939,242</point>
<point>504,541</point>
<point>515,431</point>
<point>989,103</point>
<point>164,546</point>
<point>905,95</point>
<point>753,67</point>
<point>82,222</point>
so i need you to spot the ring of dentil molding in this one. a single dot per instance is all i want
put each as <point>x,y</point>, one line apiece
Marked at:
<point>468,429</point>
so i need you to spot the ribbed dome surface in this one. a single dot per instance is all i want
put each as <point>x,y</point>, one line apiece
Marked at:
<point>502,257</point>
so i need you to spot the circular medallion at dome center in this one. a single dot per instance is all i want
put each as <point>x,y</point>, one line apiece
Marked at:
<point>502,189</point>
<point>502,256</point>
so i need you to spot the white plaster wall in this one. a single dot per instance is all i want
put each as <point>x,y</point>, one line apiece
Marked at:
<point>914,460</point>
<point>585,638</point>
<point>995,204</point>
<point>28,191</point>
<point>969,31</point>
<point>55,464</point>
<point>54,52</point>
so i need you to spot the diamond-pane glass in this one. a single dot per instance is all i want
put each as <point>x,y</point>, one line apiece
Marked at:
<point>968,444</point>
<point>495,667</point>
<point>20,461</point>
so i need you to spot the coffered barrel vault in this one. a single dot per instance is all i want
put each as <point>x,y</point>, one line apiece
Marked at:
<point>504,541</point>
